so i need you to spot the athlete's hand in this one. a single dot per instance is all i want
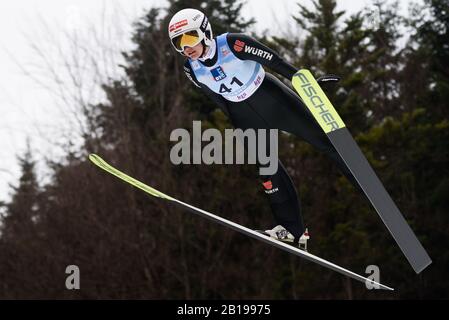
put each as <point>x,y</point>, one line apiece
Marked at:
<point>328,78</point>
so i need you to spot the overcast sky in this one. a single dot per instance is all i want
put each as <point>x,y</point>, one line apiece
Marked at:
<point>28,109</point>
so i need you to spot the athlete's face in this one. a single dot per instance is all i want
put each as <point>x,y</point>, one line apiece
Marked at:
<point>194,52</point>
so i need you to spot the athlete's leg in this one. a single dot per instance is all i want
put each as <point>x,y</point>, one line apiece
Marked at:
<point>278,187</point>
<point>291,115</point>
<point>284,201</point>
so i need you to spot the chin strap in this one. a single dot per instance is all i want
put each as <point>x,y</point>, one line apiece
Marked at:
<point>210,53</point>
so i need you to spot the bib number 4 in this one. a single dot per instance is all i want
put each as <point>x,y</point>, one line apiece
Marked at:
<point>225,89</point>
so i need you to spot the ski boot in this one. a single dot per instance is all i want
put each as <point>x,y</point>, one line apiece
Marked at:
<point>282,234</point>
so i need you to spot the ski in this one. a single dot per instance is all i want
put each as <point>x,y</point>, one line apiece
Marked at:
<point>331,123</point>
<point>235,226</point>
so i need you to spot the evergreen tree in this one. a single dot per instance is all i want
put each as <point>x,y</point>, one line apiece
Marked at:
<point>22,210</point>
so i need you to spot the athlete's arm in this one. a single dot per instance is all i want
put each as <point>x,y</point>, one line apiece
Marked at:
<point>247,48</point>
<point>218,99</point>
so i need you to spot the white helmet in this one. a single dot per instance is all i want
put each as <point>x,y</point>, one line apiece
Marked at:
<point>189,27</point>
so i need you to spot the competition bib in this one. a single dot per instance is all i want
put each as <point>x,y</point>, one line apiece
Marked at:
<point>234,79</point>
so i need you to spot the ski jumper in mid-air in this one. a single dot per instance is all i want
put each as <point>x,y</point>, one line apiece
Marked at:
<point>229,69</point>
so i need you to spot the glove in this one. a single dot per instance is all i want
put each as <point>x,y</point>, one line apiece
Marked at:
<point>328,78</point>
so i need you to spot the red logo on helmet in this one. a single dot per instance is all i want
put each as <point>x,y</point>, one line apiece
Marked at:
<point>268,185</point>
<point>239,45</point>
<point>178,25</point>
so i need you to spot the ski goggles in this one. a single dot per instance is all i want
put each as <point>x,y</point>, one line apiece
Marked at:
<point>187,39</point>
